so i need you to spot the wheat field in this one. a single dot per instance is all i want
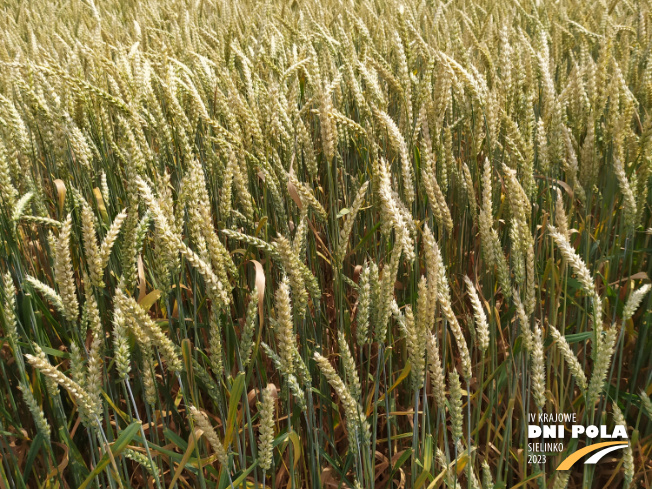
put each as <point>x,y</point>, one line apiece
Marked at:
<point>323,244</point>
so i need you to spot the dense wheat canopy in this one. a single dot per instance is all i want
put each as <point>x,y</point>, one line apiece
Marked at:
<point>321,244</point>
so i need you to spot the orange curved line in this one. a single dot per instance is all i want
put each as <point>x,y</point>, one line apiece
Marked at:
<point>575,456</point>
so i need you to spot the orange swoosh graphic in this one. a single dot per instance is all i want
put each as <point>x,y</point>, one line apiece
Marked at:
<point>575,456</point>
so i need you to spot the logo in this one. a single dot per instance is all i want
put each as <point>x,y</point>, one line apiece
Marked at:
<point>553,427</point>
<point>602,448</point>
